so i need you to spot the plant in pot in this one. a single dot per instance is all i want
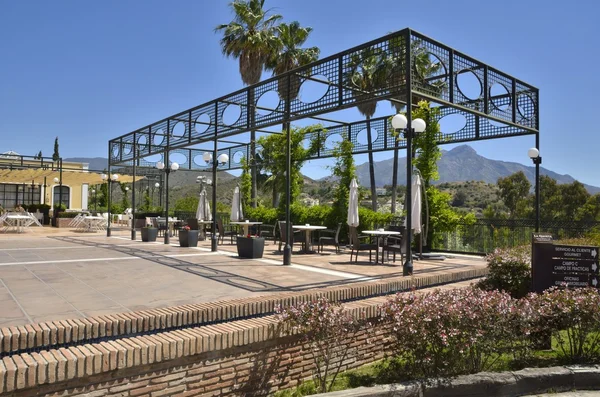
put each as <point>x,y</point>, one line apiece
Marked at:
<point>149,233</point>
<point>250,246</point>
<point>188,237</point>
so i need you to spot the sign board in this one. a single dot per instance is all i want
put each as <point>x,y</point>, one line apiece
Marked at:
<point>555,265</point>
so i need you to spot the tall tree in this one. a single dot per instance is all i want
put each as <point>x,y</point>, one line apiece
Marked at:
<point>274,155</point>
<point>424,66</point>
<point>55,155</point>
<point>514,190</point>
<point>289,55</point>
<point>251,38</point>
<point>367,72</point>
<point>574,197</point>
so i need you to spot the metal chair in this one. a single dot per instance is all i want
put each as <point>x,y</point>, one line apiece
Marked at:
<point>223,232</point>
<point>357,246</point>
<point>268,231</point>
<point>395,244</point>
<point>282,234</point>
<point>330,240</point>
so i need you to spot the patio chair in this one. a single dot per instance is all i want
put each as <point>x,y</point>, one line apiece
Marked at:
<point>395,244</point>
<point>268,231</point>
<point>357,246</point>
<point>282,234</point>
<point>223,231</point>
<point>333,239</point>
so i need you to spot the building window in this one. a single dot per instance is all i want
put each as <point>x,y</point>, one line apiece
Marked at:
<point>62,198</point>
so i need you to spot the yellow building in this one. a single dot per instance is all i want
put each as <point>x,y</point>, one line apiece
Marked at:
<point>29,180</point>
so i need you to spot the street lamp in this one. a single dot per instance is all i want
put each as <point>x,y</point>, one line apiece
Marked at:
<point>167,170</point>
<point>221,160</point>
<point>113,178</point>
<point>410,129</point>
<point>95,200</point>
<point>534,155</point>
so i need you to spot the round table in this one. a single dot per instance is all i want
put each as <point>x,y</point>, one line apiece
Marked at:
<point>245,226</point>
<point>308,228</point>
<point>380,234</point>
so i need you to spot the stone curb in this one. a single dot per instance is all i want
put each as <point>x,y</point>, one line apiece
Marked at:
<point>512,383</point>
<point>54,334</point>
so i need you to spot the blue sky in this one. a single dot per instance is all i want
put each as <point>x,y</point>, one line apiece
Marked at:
<point>90,71</point>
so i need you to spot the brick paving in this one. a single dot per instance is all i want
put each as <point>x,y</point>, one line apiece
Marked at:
<point>53,274</point>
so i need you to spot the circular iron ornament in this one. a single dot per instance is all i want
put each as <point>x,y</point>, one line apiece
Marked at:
<point>362,136</point>
<point>158,137</point>
<point>203,122</point>
<point>267,103</point>
<point>199,161</point>
<point>435,68</point>
<point>179,158</point>
<point>500,97</point>
<point>231,114</point>
<point>468,84</point>
<point>127,149</point>
<point>312,91</point>
<point>142,143</point>
<point>452,123</point>
<point>115,151</point>
<point>237,157</point>
<point>178,130</point>
<point>332,141</point>
<point>526,106</point>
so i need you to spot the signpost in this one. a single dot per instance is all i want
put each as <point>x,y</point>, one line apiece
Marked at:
<point>556,265</point>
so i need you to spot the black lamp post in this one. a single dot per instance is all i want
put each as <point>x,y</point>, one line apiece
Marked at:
<point>167,170</point>
<point>95,200</point>
<point>410,129</point>
<point>534,155</point>
<point>113,178</point>
<point>221,160</point>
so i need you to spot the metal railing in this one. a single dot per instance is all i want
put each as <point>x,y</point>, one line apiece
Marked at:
<point>485,235</point>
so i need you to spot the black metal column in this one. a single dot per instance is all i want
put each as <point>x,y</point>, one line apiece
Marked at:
<point>407,267</point>
<point>167,172</point>
<point>133,236</point>
<point>109,187</point>
<point>287,250</point>
<point>537,162</point>
<point>214,239</point>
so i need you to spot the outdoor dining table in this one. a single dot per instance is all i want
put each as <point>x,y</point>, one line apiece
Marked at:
<point>380,233</point>
<point>308,229</point>
<point>18,221</point>
<point>245,226</point>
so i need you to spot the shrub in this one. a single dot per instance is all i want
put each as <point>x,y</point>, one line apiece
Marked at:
<point>444,333</point>
<point>509,270</point>
<point>573,319</point>
<point>328,329</point>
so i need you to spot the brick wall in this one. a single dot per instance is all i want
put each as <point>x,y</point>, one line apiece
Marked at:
<point>204,349</point>
<point>238,358</point>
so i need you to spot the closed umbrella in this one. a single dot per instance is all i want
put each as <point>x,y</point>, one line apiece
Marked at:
<point>353,204</point>
<point>237,214</point>
<point>416,204</point>
<point>207,211</point>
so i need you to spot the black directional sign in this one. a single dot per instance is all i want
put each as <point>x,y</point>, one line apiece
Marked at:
<point>563,265</point>
<point>575,252</point>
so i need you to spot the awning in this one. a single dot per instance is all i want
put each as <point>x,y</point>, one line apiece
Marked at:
<point>37,176</point>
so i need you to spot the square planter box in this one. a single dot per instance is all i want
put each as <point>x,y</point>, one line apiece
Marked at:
<point>250,247</point>
<point>188,238</point>
<point>149,233</point>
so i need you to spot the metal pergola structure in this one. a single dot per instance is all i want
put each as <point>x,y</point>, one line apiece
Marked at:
<point>504,107</point>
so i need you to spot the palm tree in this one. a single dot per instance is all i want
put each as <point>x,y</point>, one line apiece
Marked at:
<point>289,55</point>
<point>368,72</point>
<point>423,69</point>
<point>250,38</point>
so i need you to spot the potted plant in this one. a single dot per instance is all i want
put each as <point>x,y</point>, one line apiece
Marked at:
<point>250,246</point>
<point>149,233</point>
<point>188,237</point>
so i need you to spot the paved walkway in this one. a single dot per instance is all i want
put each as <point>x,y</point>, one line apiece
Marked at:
<point>52,274</point>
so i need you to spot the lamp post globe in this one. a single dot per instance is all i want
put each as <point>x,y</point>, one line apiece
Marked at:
<point>399,121</point>
<point>223,159</point>
<point>533,153</point>
<point>174,166</point>
<point>207,157</point>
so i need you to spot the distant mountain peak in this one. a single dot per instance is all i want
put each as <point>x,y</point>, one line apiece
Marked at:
<point>463,150</point>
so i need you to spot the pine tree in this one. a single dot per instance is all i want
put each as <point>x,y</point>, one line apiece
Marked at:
<point>56,156</point>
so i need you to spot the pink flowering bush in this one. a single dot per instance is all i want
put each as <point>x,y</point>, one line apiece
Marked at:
<point>451,332</point>
<point>326,327</point>
<point>572,316</point>
<point>509,270</point>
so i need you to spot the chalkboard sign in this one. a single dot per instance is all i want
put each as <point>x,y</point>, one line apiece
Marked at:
<point>556,265</point>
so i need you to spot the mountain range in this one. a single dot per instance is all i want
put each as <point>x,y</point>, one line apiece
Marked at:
<point>460,164</point>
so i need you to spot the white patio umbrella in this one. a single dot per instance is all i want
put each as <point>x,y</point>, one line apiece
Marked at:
<point>353,204</point>
<point>416,204</point>
<point>237,214</point>
<point>203,212</point>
